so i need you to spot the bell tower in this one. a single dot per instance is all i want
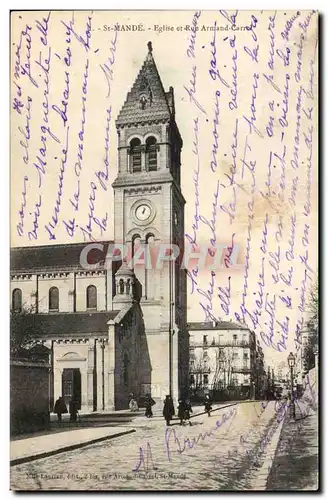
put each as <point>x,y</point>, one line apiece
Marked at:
<point>149,214</point>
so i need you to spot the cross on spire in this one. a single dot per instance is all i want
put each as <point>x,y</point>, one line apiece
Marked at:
<point>150,47</point>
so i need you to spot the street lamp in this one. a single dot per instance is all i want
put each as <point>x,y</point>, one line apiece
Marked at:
<point>291,364</point>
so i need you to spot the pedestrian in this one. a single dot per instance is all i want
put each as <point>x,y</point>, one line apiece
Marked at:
<point>181,411</point>
<point>208,406</point>
<point>73,410</point>
<point>133,405</point>
<point>187,410</point>
<point>168,410</point>
<point>60,408</point>
<point>149,403</point>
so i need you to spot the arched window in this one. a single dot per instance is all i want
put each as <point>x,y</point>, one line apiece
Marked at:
<point>17,300</point>
<point>121,286</point>
<point>91,297</point>
<point>150,260</point>
<point>135,244</point>
<point>151,153</point>
<point>128,287</point>
<point>53,299</point>
<point>135,152</point>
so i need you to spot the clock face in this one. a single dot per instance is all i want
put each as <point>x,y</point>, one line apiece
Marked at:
<point>143,212</point>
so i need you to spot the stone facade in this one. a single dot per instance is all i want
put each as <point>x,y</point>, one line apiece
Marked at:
<point>133,338</point>
<point>223,355</point>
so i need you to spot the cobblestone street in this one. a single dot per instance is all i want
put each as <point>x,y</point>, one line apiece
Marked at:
<point>223,452</point>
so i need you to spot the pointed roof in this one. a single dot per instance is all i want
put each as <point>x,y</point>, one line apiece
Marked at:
<point>159,104</point>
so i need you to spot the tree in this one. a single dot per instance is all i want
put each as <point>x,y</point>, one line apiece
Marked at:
<point>223,368</point>
<point>25,336</point>
<point>200,368</point>
<point>311,345</point>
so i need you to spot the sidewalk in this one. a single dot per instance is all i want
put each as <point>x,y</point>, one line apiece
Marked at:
<point>33,448</point>
<point>296,463</point>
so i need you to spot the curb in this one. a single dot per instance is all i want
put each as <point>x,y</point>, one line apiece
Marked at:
<point>227,406</point>
<point>214,409</point>
<point>262,476</point>
<point>31,458</point>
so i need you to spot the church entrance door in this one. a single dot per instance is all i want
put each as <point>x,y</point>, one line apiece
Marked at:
<point>71,385</point>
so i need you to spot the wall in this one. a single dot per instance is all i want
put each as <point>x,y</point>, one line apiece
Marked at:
<point>29,393</point>
<point>64,281</point>
<point>129,341</point>
<point>65,284</point>
<point>82,283</point>
<point>28,286</point>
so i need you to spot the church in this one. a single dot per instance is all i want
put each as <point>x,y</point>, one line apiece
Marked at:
<point>117,329</point>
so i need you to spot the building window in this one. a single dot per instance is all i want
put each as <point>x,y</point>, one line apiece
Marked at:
<point>234,338</point>
<point>151,153</point>
<point>235,355</point>
<point>17,300</point>
<point>54,299</point>
<point>91,297</point>
<point>205,379</point>
<point>192,379</point>
<point>121,286</point>
<point>205,339</point>
<point>135,152</point>
<point>245,355</point>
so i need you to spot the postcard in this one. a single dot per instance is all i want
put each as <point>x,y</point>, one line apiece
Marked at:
<point>164,250</point>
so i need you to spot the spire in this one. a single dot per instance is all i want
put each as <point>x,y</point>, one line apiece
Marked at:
<point>147,100</point>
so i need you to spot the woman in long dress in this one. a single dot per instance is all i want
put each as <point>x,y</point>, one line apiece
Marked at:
<point>168,410</point>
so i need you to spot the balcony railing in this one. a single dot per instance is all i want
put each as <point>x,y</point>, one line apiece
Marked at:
<point>221,343</point>
<point>198,369</point>
<point>241,369</point>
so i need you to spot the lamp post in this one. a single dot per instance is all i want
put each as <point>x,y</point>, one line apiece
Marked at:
<point>291,364</point>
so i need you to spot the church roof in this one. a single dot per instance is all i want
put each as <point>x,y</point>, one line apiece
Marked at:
<point>159,105</point>
<point>53,257</point>
<point>62,324</point>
